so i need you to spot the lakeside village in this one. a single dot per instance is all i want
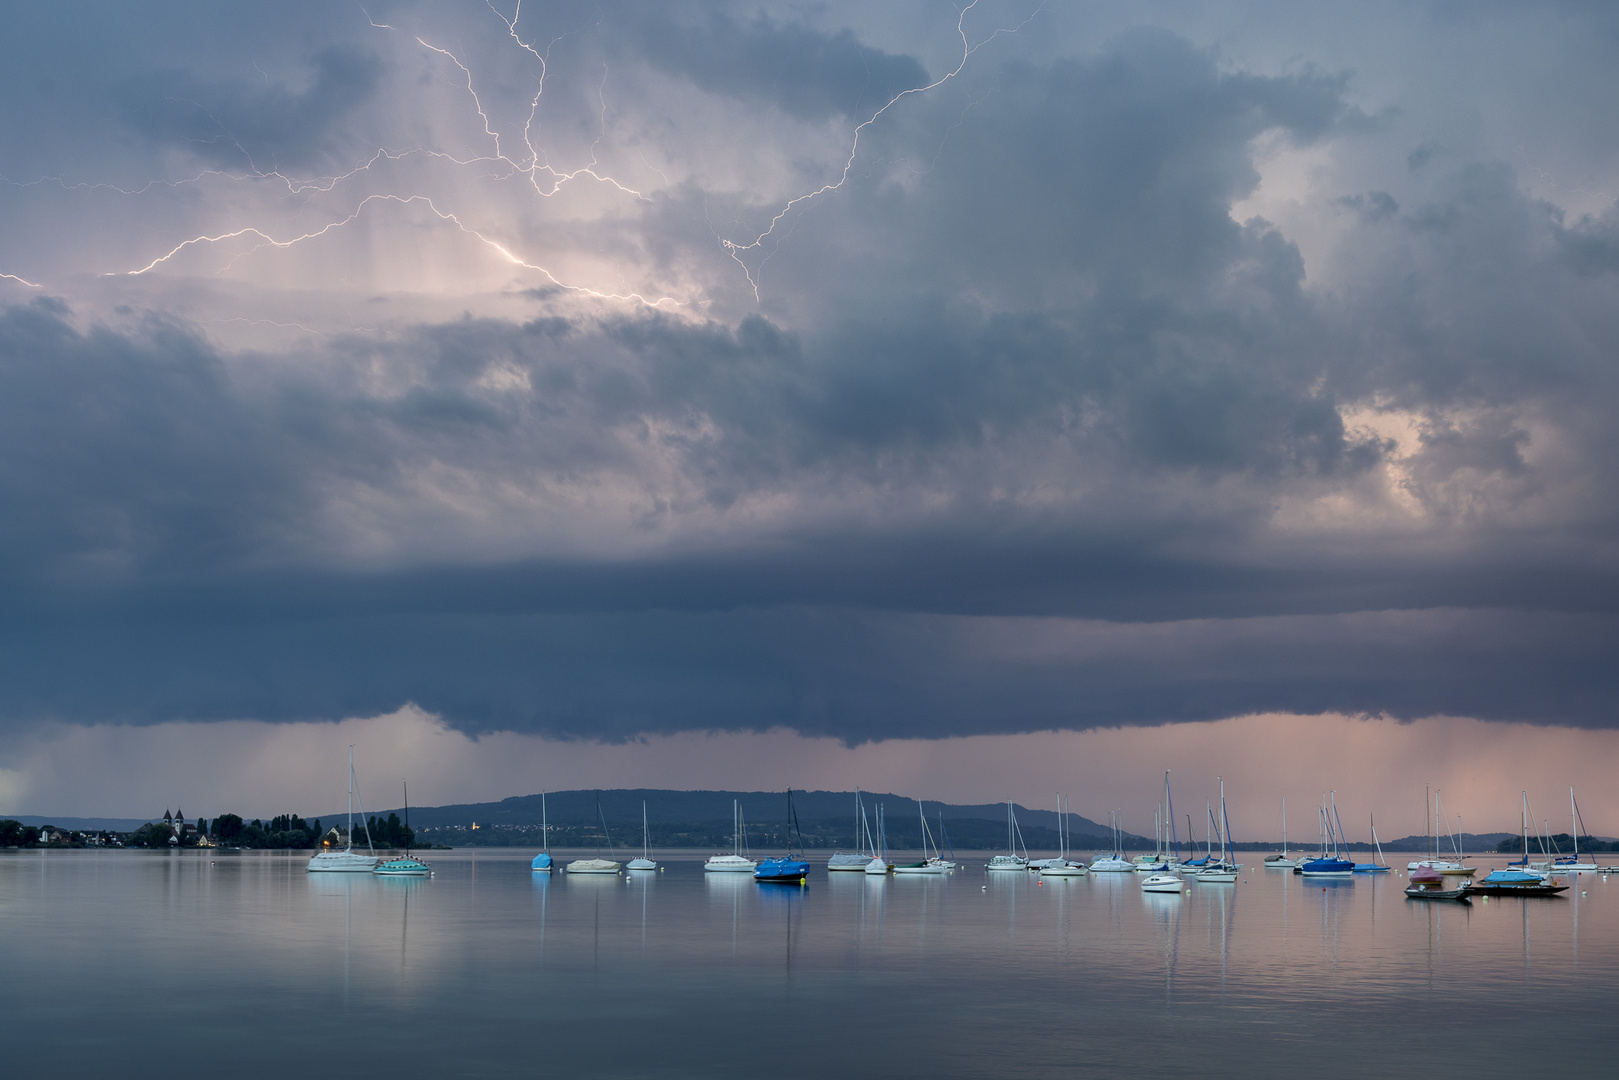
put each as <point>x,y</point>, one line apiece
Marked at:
<point>224,831</point>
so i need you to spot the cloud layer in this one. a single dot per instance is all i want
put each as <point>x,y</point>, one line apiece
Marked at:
<point>505,376</point>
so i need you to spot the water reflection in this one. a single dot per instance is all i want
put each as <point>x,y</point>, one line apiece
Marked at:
<point>641,966</point>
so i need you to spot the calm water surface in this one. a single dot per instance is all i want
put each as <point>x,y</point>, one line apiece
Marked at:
<point>198,964</point>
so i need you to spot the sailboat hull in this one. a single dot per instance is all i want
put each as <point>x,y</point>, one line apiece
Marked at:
<point>846,862</point>
<point>730,864</point>
<point>921,868</point>
<point>341,862</point>
<point>1066,870</point>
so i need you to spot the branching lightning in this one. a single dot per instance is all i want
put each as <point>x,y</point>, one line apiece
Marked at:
<point>735,250</point>
<point>523,160</point>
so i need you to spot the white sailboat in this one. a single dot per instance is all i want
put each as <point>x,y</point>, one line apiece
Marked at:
<point>736,862</point>
<point>645,861</point>
<point>1568,863</point>
<point>930,864</point>
<point>878,865</point>
<point>1063,866</point>
<point>1447,867</point>
<point>1225,871</point>
<point>347,861</point>
<point>1284,861</point>
<point>1011,860</point>
<point>854,861</point>
<point>1114,861</point>
<point>597,865</point>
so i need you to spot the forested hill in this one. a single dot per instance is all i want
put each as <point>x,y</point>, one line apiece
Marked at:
<point>759,808</point>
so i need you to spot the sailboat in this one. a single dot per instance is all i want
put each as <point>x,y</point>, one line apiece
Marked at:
<point>645,861</point>
<point>736,862</point>
<point>950,863</point>
<point>1063,866</point>
<point>346,861</point>
<point>408,866</point>
<point>1510,882</point>
<point>1011,860</point>
<point>854,861</point>
<point>1224,872</point>
<point>1330,863</point>
<point>1283,861</point>
<point>1433,861</point>
<point>930,864</point>
<point>542,861</point>
<point>1378,867</point>
<point>597,865</point>
<point>1572,862</point>
<point>879,866</point>
<point>785,870</point>
<point>1114,861</point>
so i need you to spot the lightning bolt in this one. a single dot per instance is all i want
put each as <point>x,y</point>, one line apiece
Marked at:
<point>735,250</point>
<point>524,160</point>
<point>266,240</point>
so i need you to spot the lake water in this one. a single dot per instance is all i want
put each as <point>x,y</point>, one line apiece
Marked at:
<point>135,964</point>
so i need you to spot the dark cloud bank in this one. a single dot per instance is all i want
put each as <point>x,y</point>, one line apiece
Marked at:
<point>1048,424</point>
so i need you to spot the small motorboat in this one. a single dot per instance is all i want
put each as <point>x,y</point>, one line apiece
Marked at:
<point>1516,883</point>
<point>1162,883</point>
<point>1428,883</point>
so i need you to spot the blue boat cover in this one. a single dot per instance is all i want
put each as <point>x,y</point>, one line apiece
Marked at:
<point>781,870</point>
<point>542,861</point>
<point>1327,866</point>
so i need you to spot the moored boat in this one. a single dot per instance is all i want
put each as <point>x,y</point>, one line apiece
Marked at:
<point>1162,883</point>
<point>1011,860</point>
<point>645,862</point>
<point>542,862</point>
<point>347,861</point>
<point>1429,884</point>
<point>785,870</point>
<point>408,865</point>
<point>736,862</point>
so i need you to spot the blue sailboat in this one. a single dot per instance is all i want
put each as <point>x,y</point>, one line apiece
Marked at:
<point>542,862</point>
<point>1330,863</point>
<point>785,870</point>
<point>1373,867</point>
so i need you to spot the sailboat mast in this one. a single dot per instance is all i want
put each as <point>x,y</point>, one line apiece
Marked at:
<point>1574,822</point>
<point>545,826</point>
<point>1523,822</point>
<point>351,799</point>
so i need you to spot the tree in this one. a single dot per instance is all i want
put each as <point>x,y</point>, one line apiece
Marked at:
<point>16,834</point>
<point>227,828</point>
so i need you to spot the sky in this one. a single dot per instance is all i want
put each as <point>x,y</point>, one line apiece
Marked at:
<point>983,399</point>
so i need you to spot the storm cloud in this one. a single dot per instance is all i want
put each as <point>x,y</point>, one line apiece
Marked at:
<point>1028,424</point>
